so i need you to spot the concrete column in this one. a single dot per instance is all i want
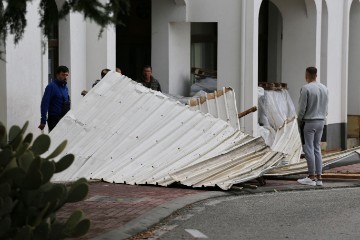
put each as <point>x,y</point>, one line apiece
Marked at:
<point>72,53</point>
<point>251,39</point>
<point>338,37</point>
<point>179,58</point>
<point>322,75</point>
<point>3,87</point>
<point>319,8</point>
<point>100,52</point>
<point>165,12</point>
<point>21,76</point>
<point>354,61</point>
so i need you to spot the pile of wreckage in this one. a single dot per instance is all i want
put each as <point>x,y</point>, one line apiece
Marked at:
<point>123,132</point>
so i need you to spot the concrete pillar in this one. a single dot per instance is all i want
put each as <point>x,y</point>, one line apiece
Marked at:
<point>338,37</point>
<point>250,66</point>
<point>354,61</point>
<point>322,75</point>
<point>164,12</point>
<point>3,87</point>
<point>179,58</point>
<point>72,53</point>
<point>100,52</point>
<point>21,76</point>
<point>318,4</point>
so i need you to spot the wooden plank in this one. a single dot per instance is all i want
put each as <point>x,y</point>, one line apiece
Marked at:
<point>353,126</point>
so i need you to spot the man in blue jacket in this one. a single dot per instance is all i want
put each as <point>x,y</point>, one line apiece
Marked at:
<point>56,101</point>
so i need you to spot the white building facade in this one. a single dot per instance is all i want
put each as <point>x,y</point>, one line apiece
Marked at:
<point>256,40</point>
<point>25,72</point>
<point>300,33</point>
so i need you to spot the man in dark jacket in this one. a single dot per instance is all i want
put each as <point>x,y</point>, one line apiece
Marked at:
<point>148,80</point>
<point>56,101</point>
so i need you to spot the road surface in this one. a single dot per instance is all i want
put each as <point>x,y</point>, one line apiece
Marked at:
<point>321,214</point>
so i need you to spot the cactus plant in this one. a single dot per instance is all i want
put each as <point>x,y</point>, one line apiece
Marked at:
<point>28,200</point>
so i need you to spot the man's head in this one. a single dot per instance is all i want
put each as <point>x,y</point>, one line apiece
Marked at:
<point>311,74</point>
<point>104,72</point>
<point>147,72</point>
<point>62,73</point>
<point>118,70</point>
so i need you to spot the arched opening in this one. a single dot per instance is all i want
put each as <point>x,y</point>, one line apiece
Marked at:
<point>287,45</point>
<point>53,42</point>
<point>270,42</point>
<point>287,42</point>
<point>133,40</point>
<point>354,76</point>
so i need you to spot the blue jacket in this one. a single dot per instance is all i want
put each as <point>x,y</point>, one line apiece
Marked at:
<point>55,96</point>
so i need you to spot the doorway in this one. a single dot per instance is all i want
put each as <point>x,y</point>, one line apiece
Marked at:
<point>270,42</point>
<point>133,40</point>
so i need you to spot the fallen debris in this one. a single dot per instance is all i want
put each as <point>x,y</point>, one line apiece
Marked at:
<point>123,132</point>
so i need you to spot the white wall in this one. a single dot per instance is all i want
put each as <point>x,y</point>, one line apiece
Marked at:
<point>165,68</point>
<point>324,44</point>
<point>101,52</point>
<point>335,81</point>
<point>354,61</point>
<point>3,87</point>
<point>78,57</point>
<point>250,39</point>
<point>299,42</point>
<point>23,77</point>
<point>163,13</point>
<point>227,15</point>
<point>179,55</point>
<point>72,53</point>
<point>24,74</point>
<point>298,48</point>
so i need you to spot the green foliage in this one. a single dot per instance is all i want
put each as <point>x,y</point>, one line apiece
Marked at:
<point>28,200</point>
<point>13,14</point>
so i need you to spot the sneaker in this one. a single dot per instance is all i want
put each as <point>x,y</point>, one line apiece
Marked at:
<point>307,181</point>
<point>319,183</point>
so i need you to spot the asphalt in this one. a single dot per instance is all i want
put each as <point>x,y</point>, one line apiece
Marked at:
<point>119,211</point>
<point>329,214</point>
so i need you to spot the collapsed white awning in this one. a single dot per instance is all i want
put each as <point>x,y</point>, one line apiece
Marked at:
<point>123,132</point>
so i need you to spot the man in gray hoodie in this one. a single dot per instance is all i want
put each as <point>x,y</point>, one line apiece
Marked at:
<point>313,109</point>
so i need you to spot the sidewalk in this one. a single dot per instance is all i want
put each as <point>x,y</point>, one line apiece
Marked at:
<point>119,211</point>
<point>351,169</point>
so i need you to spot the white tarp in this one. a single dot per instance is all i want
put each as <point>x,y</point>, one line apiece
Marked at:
<point>124,132</point>
<point>274,108</point>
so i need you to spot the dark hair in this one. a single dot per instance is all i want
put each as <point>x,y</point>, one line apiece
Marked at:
<point>312,71</point>
<point>61,69</point>
<point>147,66</point>
<point>104,72</point>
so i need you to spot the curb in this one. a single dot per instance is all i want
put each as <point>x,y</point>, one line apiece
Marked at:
<point>155,215</point>
<point>297,187</point>
<point>341,175</point>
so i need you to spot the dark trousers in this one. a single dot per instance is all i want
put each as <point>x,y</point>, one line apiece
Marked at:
<point>52,122</point>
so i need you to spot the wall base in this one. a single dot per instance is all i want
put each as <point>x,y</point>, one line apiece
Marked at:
<point>335,136</point>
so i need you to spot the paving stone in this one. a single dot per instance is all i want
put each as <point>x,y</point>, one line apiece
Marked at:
<point>110,206</point>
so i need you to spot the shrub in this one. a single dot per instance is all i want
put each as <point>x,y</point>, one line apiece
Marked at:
<point>28,200</point>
